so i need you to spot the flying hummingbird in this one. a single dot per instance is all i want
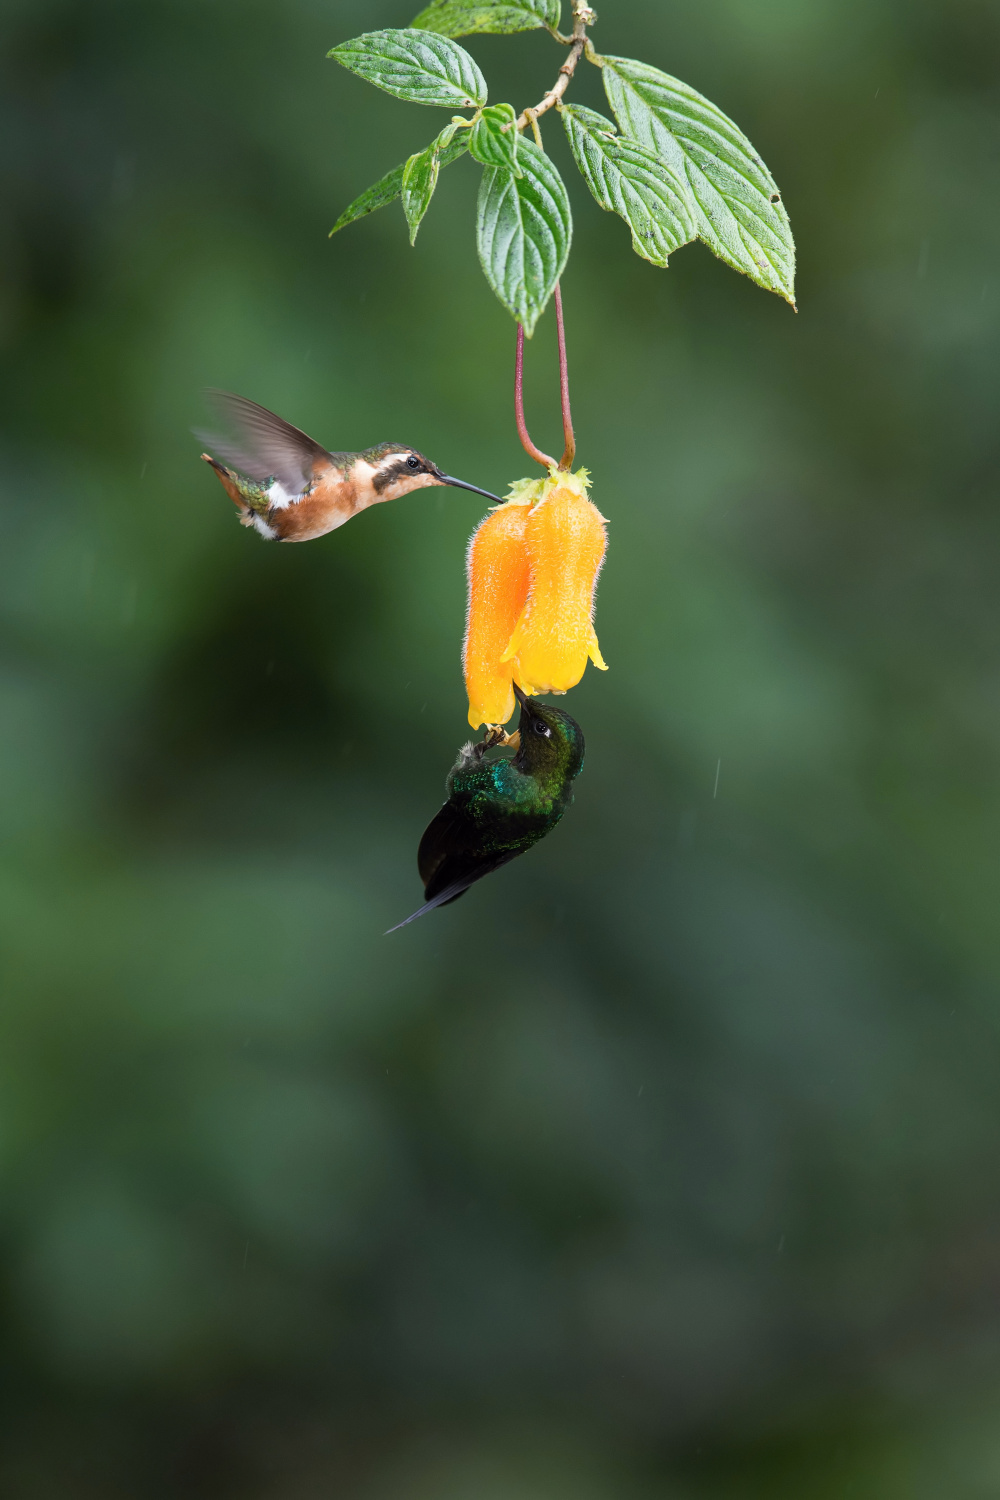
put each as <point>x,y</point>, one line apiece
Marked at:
<point>498,809</point>
<point>289,489</point>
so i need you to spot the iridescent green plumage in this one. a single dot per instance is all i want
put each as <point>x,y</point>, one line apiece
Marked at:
<point>498,809</point>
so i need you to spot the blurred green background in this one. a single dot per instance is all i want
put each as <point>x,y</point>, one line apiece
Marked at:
<point>666,1163</point>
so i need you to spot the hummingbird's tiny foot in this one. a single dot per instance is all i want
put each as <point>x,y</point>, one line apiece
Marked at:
<point>497,736</point>
<point>494,736</point>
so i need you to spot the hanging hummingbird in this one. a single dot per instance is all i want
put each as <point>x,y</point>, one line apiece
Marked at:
<point>498,809</point>
<point>289,489</point>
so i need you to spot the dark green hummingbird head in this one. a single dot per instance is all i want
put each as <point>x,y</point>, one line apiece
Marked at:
<point>552,743</point>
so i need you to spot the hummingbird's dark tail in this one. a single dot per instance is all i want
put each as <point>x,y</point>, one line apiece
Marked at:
<point>458,887</point>
<point>450,893</point>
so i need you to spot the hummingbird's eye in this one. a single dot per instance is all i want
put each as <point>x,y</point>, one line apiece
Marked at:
<point>413,462</point>
<point>541,728</point>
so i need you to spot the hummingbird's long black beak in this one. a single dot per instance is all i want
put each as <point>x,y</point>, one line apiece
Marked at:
<point>521,696</point>
<point>460,484</point>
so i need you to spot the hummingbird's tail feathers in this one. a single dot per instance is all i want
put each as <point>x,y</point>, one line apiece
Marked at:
<point>227,479</point>
<point>264,445</point>
<point>459,884</point>
<point>249,500</point>
<point>450,893</point>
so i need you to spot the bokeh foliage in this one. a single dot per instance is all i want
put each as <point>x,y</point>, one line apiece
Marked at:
<point>665,1163</point>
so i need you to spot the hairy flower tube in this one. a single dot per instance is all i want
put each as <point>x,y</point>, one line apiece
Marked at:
<point>533,567</point>
<point>498,588</point>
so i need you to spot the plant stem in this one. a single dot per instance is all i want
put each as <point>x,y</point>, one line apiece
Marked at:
<point>578,43</point>
<point>569,452</point>
<point>530,113</point>
<point>583,17</point>
<point>522,426</point>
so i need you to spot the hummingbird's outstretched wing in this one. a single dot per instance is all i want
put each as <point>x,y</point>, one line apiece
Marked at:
<point>265,446</point>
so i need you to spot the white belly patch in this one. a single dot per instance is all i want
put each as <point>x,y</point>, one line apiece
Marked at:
<point>279,498</point>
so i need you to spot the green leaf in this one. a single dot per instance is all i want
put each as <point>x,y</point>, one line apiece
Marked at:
<point>390,187</point>
<point>491,144</point>
<point>626,179</point>
<point>465,17</point>
<point>741,217</point>
<point>524,228</point>
<point>420,177</point>
<point>416,65</point>
<point>386,190</point>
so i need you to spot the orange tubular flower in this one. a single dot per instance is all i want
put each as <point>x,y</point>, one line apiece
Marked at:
<point>566,542</point>
<point>533,566</point>
<point>498,588</point>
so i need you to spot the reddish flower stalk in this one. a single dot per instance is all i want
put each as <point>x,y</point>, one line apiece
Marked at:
<point>569,452</point>
<point>522,426</point>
